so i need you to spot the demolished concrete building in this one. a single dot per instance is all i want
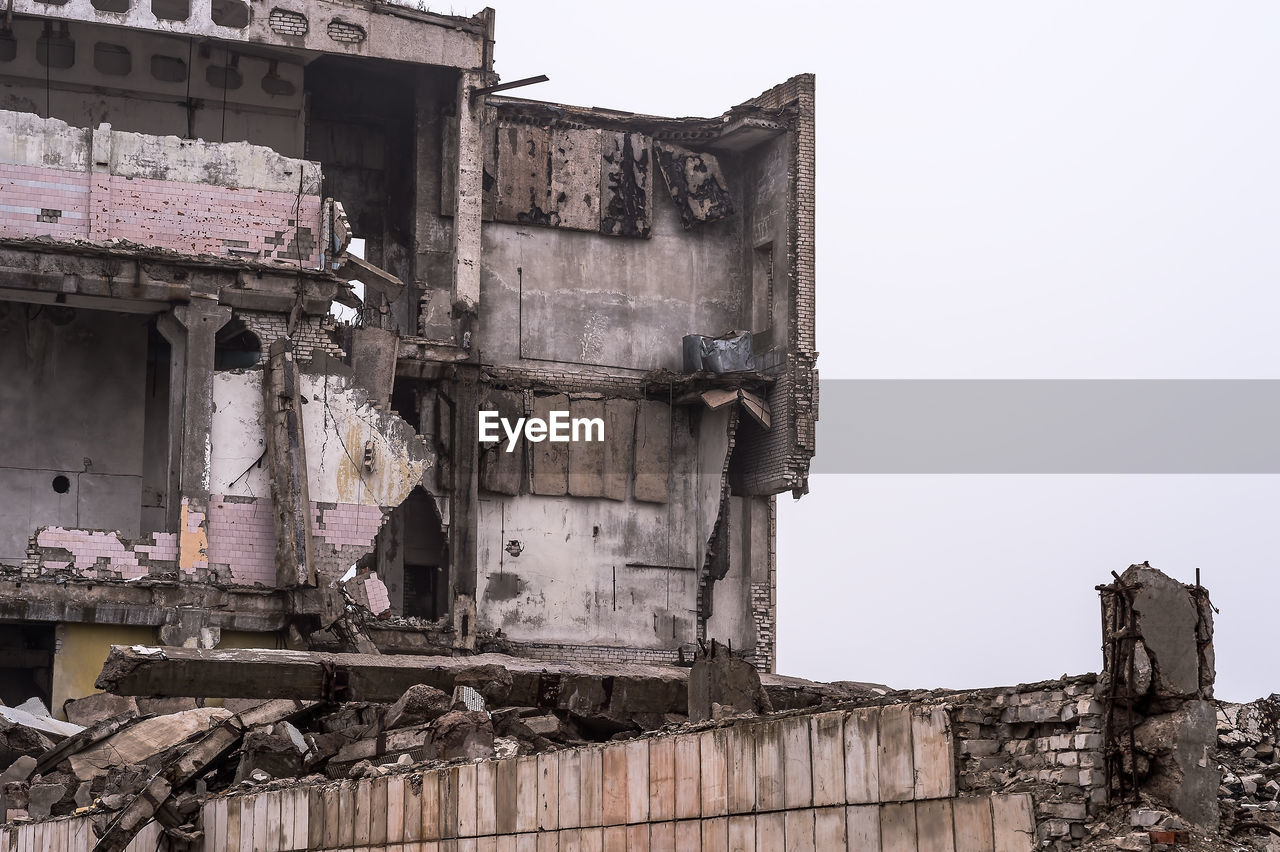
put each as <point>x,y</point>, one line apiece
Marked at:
<point>198,454</point>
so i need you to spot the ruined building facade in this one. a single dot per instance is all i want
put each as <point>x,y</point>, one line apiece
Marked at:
<point>197,452</point>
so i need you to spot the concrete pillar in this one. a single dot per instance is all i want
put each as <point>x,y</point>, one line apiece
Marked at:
<point>191,330</point>
<point>467,200</point>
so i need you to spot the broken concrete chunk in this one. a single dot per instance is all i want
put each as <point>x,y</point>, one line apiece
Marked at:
<point>98,707</point>
<point>19,770</point>
<point>264,750</point>
<point>42,723</point>
<point>144,740</point>
<point>719,679</point>
<point>35,706</point>
<point>165,706</point>
<point>420,703</point>
<point>42,797</point>
<point>462,734</point>
<point>696,183</point>
<point>492,681</point>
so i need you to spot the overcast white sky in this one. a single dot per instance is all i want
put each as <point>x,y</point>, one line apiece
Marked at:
<point>1005,190</point>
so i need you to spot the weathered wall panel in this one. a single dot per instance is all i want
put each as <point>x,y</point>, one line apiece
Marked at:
<point>524,174</point>
<point>550,460</point>
<point>575,187</point>
<point>653,452</point>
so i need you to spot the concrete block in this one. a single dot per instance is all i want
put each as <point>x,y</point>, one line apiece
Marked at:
<point>829,828</point>
<point>972,815</point>
<point>934,827</point>
<point>591,786</point>
<point>742,833</point>
<point>486,799</point>
<point>586,458</point>
<point>429,798</point>
<point>662,837</point>
<point>933,753</point>
<point>862,828</point>
<point>898,827</point>
<point>715,834</point>
<point>896,770</point>
<point>638,837</point>
<point>652,452</point>
<point>570,778</point>
<point>550,459</point>
<point>714,751</point>
<point>637,755</point>
<point>768,752</point>
<point>861,756</point>
<point>575,178</point>
<point>505,796</point>
<point>688,763</point>
<point>614,804</point>
<point>742,771</point>
<point>615,838</point>
<point>797,767</point>
<point>527,793</point>
<point>826,744</point>
<point>662,779</point>
<point>799,826</point>
<point>548,792</point>
<point>619,442</point>
<point>1013,823</point>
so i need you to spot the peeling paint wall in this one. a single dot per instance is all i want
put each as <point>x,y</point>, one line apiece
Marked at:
<point>349,501</point>
<point>572,570</point>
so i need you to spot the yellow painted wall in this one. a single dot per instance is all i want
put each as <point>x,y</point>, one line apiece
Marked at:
<point>82,649</point>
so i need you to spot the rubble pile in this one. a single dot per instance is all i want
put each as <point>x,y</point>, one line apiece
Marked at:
<point>1249,796</point>
<point>125,760</point>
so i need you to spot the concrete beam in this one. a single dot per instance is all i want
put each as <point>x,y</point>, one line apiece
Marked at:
<point>577,688</point>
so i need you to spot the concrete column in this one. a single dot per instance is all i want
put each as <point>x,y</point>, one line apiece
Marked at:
<point>467,200</point>
<point>191,330</point>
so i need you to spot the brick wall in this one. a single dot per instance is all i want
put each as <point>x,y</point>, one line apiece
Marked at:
<point>102,554</point>
<point>188,196</point>
<point>242,541</point>
<point>780,460</point>
<point>1045,739</point>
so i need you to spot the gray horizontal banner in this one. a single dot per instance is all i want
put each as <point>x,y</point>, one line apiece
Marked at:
<point>1051,426</point>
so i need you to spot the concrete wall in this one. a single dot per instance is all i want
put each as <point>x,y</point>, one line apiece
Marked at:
<point>867,780</point>
<point>189,196</point>
<point>606,572</point>
<point>292,24</point>
<point>562,295</point>
<point>71,405</point>
<point>113,80</point>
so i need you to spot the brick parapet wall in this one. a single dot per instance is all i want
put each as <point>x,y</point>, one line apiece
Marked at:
<point>1043,739</point>
<point>183,195</point>
<point>191,218</point>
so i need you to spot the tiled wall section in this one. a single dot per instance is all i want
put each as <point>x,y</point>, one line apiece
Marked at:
<point>191,218</point>
<point>242,538</point>
<point>865,780</point>
<point>100,553</point>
